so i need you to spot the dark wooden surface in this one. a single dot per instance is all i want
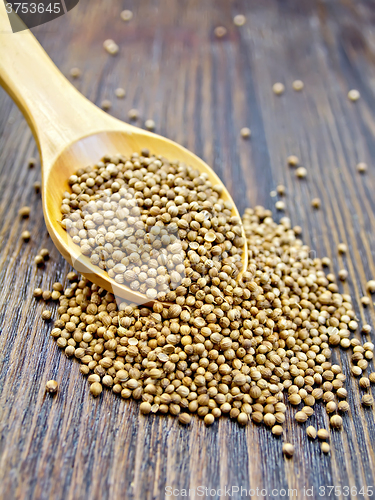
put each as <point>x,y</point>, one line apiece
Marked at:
<point>200,91</point>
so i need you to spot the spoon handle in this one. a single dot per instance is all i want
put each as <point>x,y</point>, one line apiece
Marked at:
<point>56,112</point>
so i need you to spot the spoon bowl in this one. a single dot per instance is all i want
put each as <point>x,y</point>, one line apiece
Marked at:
<point>71,133</point>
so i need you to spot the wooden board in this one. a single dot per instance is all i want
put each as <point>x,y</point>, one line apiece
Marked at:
<point>200,91</point>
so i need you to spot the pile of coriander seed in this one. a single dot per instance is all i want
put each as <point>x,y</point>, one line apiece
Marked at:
<point>154,225</point>
<point>243,349</point>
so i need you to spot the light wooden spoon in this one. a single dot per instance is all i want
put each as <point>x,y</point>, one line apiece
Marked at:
<point>71,132</point>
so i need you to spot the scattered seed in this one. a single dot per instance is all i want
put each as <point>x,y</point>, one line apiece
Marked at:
<point>37,187</point>
<point>75,72</point>
<point>342,248</point>
<point>39,261</point>
<point>280,205</point>
<point>343,274</point>
<point>301,172</point>
<point>106,104</point>
<point>323,434</point>
<point>46,315</point>
<point>25,235</point>
<point>184,418</point>
<point>31,162</point>
<point>24,212</point>
<point>343,406</point>
<point>311,432</point>
<point>281,189</point>
<point>145,408</point>
<point>371,286</point>
<point>325,447</point>
<point>150,124</point>
<point>316,203</point>
<point>245,132</point>
<point>366,329</point>
<point>209,419</point>
<point>298,85</point>
<point>278,88</point>
<point>44,252</point>
<point>133,114</point>
<point>38,292</point>
<point>46,295</point>
<point>120,93</point>
<point>52,386</point>
<point>365,301</point>
<point>96,389</point>
<point>220,31</point>
<point>301,417</point>
<point>126,15</point>
<point>239,20</point>
<point>362,167</point>
<point>277,430</point>
<point>372,377</point>
<point>354,95</point>
<point>288,450</point>
<point>367,400</point>
<point>111,47</point>
<point>293,161</point>
<point>336,421</point>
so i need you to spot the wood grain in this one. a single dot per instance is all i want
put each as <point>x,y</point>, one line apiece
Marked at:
<point>200,91</point>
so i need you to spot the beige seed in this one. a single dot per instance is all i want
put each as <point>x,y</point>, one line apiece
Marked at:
<point>133,114</point>
<point>280,205</point>
<point>301,172</point>
<point>298,85</point>
<point>184,418</point>
<point>126,15</point>
<point>220,31</point>
<point>336,421</point>
<point>323,434</point>
<point>31,162</point>
<point>38,292</point>
<point>343,274</point>
<point>239,20</point>
<point>52,386</point>
<point>316,203</point>
<point>24,212</point>
<point>277,430</point>
<point>96,389</point>
<point>362,167</point>
<point>367,400</point>
<point>301,417</point>
<point>111,47</point>
<point>37,186</point>
<point>145,408</point>
<point>278,88</point>
<point>245,132</point>
<point>311,432</point>
<point>293,161</point>
<point>106,104</point>
<point>46,315</point>
<point>75,72</point>
<point>325,447</point>
<point>120,93</point>
<point>371,286</point>
<point>25,235</point>
<point>288,450</point>
<point>209,419</point>
<point>281,189</point>
<point>342,248</point>
<point>354,95</point>
<point>44,252</point>
<point>150,124</point>
<point>343,406</point>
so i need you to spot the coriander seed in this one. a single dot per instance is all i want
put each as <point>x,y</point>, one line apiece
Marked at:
<point>106,104</point>
<point>354,95</point>
<point>46,315</point>
<point>111,47</point>
<point>316,203</point>
<point>288,450</point>
<point>323,434</point>
<point>278,88</point>
<point>367,400</point>
<point>24,212</point>
<point>220,31</point>
<point>362,167</point>
<point>126,15</point>
<point>301,172</point>
<point>75,72</point>
<point>184,418</point>
<point>96,389</point>
<point>336,421</point>
<point>52,386</point>
<point>325,447</point>
<point>293,161</point>
<point>245,132</point>
<point>298,85</point>
<point>25,235</point>
<point>150,124</point>
<point>371,286</point>
<point>239,20</point>
<point>120,93</point>
<point>31,162</point>
<point>133,114</point>
<point>311,432</point>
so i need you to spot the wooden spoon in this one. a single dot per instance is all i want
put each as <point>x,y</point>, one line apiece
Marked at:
<point>71,132</point>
